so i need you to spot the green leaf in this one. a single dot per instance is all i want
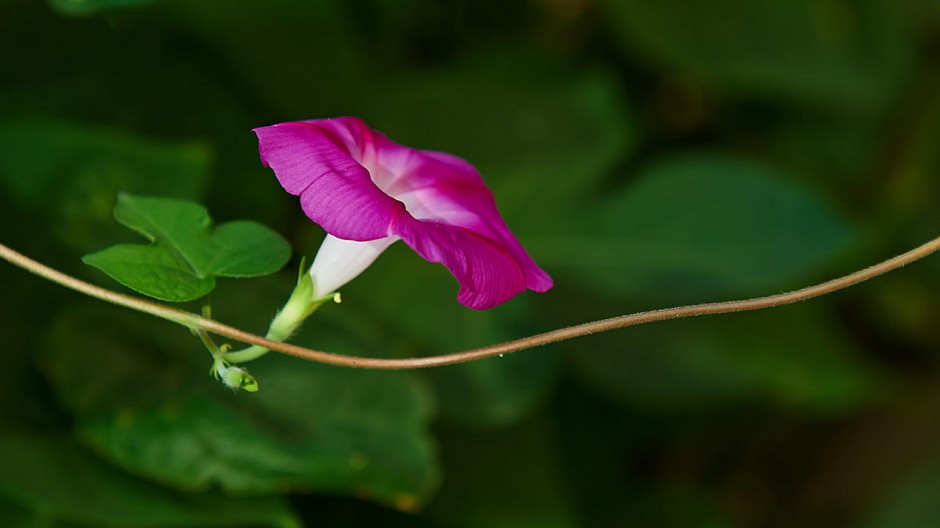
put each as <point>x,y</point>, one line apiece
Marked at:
<point>311,428</point>
<point>791,357</point>
<point>151,270</point>
<point>59,480</point>
<point>352,433</point>
<point>700,225</point>
<point>185,257</point>
<point>175,224</point>
<point>70,174</point>
<point>247,249</point>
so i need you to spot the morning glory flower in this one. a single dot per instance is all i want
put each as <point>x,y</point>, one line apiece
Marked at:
<point>368,192</point>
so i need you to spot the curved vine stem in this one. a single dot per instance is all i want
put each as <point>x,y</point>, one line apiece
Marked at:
<point>196,322</point>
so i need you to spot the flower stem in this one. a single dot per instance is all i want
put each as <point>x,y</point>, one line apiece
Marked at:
<point>196,322</point>
<point>297,309</point>
<point>247,354</point>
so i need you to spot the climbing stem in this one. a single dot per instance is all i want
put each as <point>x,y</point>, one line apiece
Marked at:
<point>196,322</point>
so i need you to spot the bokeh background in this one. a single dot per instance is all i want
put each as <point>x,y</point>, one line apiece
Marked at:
<point>647,153</point>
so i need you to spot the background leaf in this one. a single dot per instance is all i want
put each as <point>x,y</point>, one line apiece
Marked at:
<point>696,225</point>
<point>73,173</point>
<point>66,483</point>
<point>353,432</point>
<point>790,358</point>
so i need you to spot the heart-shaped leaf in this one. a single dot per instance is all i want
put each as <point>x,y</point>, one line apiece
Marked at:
<point>186,254</point>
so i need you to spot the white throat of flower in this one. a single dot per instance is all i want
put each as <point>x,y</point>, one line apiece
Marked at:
<point>339,261</point>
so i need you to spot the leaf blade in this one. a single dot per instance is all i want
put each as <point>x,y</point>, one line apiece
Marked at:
<point>247,249</point>
<point>152,271</point>
<point>184,256</point>
<point>175,224</point>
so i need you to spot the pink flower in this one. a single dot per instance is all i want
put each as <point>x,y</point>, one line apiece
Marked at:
<point>367,192</point>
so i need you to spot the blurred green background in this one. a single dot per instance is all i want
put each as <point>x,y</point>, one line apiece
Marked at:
<point>647,153</point>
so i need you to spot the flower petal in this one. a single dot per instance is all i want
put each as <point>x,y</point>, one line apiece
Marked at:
<point>359,185</point>
<point>335,191</point>
<point>487,274</point>
<point>444,187</point>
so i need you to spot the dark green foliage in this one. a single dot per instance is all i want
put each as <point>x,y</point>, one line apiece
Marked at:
<point>311,427</point>
<point>49,478</point>
<point>71,174</point>
<point>696,225</point>
<point>86,7</point>
<point>647,153</point>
